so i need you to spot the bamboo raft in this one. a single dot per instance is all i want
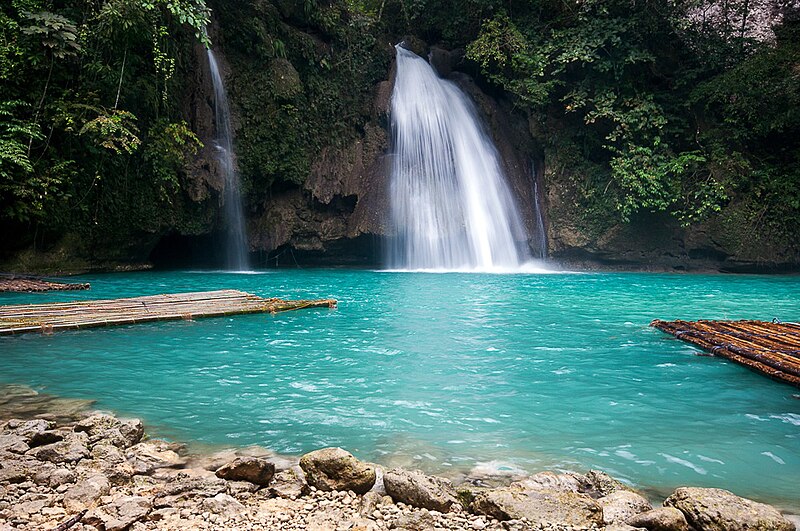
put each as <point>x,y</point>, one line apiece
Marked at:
<point>47,318</point>
<point>772,349</point>
<point>16,284</point>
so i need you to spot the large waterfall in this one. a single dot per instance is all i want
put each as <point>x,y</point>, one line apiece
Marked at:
<point>451,207</point>
<point>236,237</point>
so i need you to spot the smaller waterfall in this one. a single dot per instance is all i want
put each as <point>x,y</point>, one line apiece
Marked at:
<point>236,237</point>
<point>539,240</point>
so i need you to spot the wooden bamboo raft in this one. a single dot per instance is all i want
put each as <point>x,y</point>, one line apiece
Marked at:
<point>47,318</point>
<point>14,284</point>
<point>772,349</point>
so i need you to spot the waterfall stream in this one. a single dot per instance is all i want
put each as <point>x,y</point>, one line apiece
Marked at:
<point>450,205</point>
<point>235,236</point>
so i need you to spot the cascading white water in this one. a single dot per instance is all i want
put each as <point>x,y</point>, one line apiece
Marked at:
<point>450,205</point>
<point>236,237</point>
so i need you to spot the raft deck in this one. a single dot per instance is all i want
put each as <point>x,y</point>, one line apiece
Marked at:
<point>23,284</point>
<point>47,318</point>
<point>772,349</point>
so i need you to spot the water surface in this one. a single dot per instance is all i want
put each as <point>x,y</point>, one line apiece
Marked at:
<point>448,372</point>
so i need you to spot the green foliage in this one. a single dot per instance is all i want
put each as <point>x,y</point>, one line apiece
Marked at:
<point>58,34</point>
<point>167,151</point>
<point>113,130</point>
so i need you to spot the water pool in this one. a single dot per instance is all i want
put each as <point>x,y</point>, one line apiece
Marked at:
<point>448,372</point>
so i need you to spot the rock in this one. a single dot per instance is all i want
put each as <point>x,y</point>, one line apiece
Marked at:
<point>147,457</point>
<point>288,484</point>
<point>223,505</point>
<point>85,492</point>
<point>45,437</point>
<point>70,450</point>
<point>369,502</point>
<point>552,481</point>
<point>622,527</point>
<point>420,490</point>
<point>598,484</point>
<point>118,432</point>
<point>252,469</point>
<point>720,510</point>
<point>109,461</point>
<point>543,507</point>
<point>336,469</point>
<point>61,476</point>
<point>660,519</point>
<point>184,486</point>
<point>11,442</point>
<point>620,505</point>
<point>12,472</point>
<point>120,514</point>
<point>416,521</point>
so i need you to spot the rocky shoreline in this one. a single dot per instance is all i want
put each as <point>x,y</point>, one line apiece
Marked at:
<point>93,471</point>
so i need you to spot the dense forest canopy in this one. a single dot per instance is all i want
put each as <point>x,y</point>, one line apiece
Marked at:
<point>688,107</point>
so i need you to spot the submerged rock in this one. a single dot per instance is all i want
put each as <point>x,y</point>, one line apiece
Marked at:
<point>252,469</point>
<point>336,469</point>
<point>420,490</point>
<point>720,510</point>
<point>660,519</point>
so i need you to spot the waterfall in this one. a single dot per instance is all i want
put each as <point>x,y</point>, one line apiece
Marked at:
<point>236,237</point>
<point>450,205</point>
<point>539,235</point>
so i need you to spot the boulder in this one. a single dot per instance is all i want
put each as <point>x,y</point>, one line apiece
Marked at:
<point>85,492</point>
<point>288,484</point>
<point>120,514</point>
<point>11,442</point>
<point>660,519</point>
<point>542,507</point>
<point>252,469</point>
<point>420,490</point>
<point>184,487</point>
<point>109,461</point>
<point>720,510</point>
<point>336,469</point>
<point>620,505</point>
<point>70,450</point>
<point>551,481</point>
<point>118,432</point>
<point>223,505</point>
<point>147,457</point>
<point>598,484</point>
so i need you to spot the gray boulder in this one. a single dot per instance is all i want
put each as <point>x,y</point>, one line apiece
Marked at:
<point>598,484</point>
<point>660,519</point>
<point>542,507</point>
<point>120,514</point>
<point>118,432</point>
<point>70,450</point>
<point>147,457</point>
<point>288,484</point>
<point>336,469</point>
<point>223,505</point>
<point>85,492</point>
<point>420,490</point>
<point>721,510</point>
<point>252,469</point>
<point>620,505</point>
<point>11,442</point>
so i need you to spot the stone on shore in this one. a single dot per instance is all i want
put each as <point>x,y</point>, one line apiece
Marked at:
<point>542,507</point>
<point>85,492</point>
<point>420,490</point>
<point>120,514</point>
<point>71,449</point>
<point>720,510</point>
<point>223,505</point>
<point>621,505</point>
<point>123,433</point>
<point>336,469</point>
<point>660,519</point>
<point>252,469</point>
<point>288,484</point>
<point>148,456</point>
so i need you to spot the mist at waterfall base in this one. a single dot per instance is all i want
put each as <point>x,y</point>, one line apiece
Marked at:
<point>451,208</point>
<point>236,258</point>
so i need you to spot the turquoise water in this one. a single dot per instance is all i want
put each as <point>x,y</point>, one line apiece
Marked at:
<point>448,372</point>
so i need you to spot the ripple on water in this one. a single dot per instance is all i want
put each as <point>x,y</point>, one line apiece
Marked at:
<point>449,371</point>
